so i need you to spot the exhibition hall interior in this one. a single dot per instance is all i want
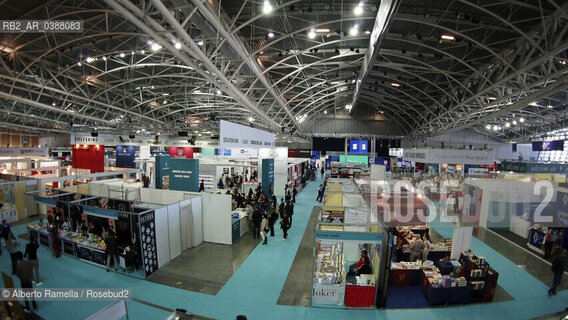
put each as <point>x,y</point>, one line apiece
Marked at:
<point>283,159</point>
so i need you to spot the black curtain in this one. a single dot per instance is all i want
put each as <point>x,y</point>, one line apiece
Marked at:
<point>328,144</point>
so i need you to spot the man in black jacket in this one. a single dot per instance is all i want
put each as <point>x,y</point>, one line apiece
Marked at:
<point>281,207</point>
<point>256,220</point>
<point>558,266</point>
<point>111,250</point>
<point>289,211</point>
<point>31,255</point>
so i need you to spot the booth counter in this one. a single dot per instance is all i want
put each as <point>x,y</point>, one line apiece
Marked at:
<point>240,224</point>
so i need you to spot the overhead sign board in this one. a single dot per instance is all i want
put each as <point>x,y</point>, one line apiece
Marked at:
<point>450,156</point>
<point>234,135</point>
<point>24,152</point>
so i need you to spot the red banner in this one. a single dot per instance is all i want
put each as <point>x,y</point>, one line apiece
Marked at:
<point>181,152</point>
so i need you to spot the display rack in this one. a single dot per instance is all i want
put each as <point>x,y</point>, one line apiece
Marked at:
<point>329,264</point>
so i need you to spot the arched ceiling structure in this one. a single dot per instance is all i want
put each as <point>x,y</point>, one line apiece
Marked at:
<point>426,66</point>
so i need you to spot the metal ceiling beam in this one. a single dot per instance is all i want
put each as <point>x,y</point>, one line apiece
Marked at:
<point>240,50</point>
<point>385,15</point>
<point>213,74</point>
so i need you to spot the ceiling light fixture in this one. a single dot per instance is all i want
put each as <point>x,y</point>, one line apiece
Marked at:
<point>354,30</point>
<point>177,45</point>
<point>143,51</point>
<point>325,112</point>
<point>322,30</point>
<point>550,106</point>
<point>104,58</point>
<point>89,60</point>
<point>358,9</point>
<point>122,55</point>
<point>156,46</point>
<point>488,127</point>
<point>394,84</point>
<point>79,63</point>
<point>521,120</point>
<point>448,37</point>
<point>251,119</point>
<point>507,124</point>
<point>271,35</point>
<point>200,43</point>
<point>495,128</point>
<point>266,7</point>
<point>311,34</point>
<point>367,31</point>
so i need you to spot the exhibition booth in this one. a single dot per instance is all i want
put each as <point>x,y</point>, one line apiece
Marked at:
<point>452,162</point>
<point>343,231</point>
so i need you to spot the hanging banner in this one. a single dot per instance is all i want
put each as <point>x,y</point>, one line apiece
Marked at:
<point>181,152</point>
<point>125,156</point>
<point>451,156</point>
<point>184,175</point>
<point>268,178</point>
<point>147,229</point>
<point>358,146</point>
<point>24,152</point>
<point>234,135</point>
<point>548,145</point>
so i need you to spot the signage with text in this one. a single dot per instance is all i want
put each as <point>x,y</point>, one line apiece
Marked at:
<point>450,156</point>
<point>234,135</point>
<point>125,156</point>
<point>548,145</point>
<point>181,152</point>
<point>24,152</point>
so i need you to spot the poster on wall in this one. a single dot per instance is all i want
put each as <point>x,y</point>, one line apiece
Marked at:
<point>184,175</point>
<point>125,156</point>
<point>232,135</point>
<point>147,227</point>
<point>268,178</point>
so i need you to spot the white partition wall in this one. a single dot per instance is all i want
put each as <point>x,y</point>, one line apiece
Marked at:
<point>217,219</point>
<point>197,218</point>
<point>174,230</point>
<point>162,238</point>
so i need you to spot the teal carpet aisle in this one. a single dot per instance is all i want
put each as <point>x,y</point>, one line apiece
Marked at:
<point>255,287</point>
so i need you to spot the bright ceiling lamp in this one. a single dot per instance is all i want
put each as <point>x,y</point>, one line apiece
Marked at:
<point>354,30</point>
<point>177,45</point>
<point>394,84</point>
<point>266,7</point>
<point>325,112</point>
<point>448,37</point>
<point>89,60</point>
<point>156,46</point>
<point>495,128</point>
<point>515,122</point>
<point>251,119</point>
<point>122,55</point>
<point>322,30</point>
<point>488,127</point>
<point>311,34</point>
<point>507,124</point>
<point>550,106</point>
<point>358,10</point>
<point>521,120</point>
<point>271,35</point>
<point>200,43</point>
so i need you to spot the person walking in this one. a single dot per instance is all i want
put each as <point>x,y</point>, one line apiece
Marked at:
<point>281,208</point>
<point>111,250</point>
<point>202,186</point>
<point>13,245</point>
<point>319,193</point>
<point>294,193</point>
<point>285,225</point>
<point>558,266</point>
<point>4,232</point>
<point>272,219</point>
<point>264,229</point>
<point>256,220</point>
<point>548,241</point>
<point>322,171</point>
<point>322,192</point>
<point>31,255</point>
<point>25,273</point>
<point>289,209</point>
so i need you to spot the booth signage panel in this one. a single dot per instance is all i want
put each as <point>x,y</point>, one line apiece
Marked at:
<point>547,168</point>
<point>234,135</point>
<point>415,155</point>
<point>125,156</point>
<point>328,294</point>
<point>242,152</point>
<point>100,212</point>
<point>159,151</point>
<point>184,175</point>
<point>148,239</point>
<point>357,236</point>
<point>46,201</point>
<point>536,238</point>
<point>181,152</point>
<point>163,171</point>
<point>268,178</point>
<point>548,145</point>
<point>25,152</point>
<point>139,140</point>
<point>224,152</point>
<point>514,166</point>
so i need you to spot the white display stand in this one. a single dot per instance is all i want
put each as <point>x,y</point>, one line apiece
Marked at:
<point>461,241</point>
